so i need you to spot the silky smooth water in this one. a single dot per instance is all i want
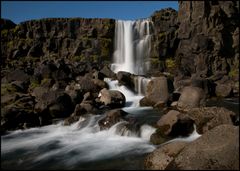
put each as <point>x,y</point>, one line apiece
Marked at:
<point>132,46</point>
<point>83,145</point>
<point>74,147</point>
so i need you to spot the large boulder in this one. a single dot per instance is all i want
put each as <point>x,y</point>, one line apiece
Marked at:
<point>158,90</point>
<point>19,79</point>
<point>87,84</point>
<point>112,98</point>
<point>75,92</point>
<point>19,113</point>
<point>191,97</point>
<point>172,125</point>
<point>207,118</point>
<point>8,99</point>
<point>167,121</point>
<point>52,104</point>
<point>45,69</point>
<point>162,156</point>
<point>74,117</point>
<point>217,149</point>
<point>107,72</point>
<point>126,79</point>
<point>175,124</point>
<point>224,90</point>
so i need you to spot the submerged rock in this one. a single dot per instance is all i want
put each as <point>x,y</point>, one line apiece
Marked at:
<point>112,117</point>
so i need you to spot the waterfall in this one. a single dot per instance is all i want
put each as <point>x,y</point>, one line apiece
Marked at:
<point>132,46</point>
<point>140,83</point>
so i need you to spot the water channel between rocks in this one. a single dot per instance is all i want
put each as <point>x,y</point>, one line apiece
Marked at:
<point>82,145</point>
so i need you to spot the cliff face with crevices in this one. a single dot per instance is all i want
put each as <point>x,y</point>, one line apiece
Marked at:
<point>164,38</point>
<point>201,38</point>
<point>208,37</point>
<point>77,39</point>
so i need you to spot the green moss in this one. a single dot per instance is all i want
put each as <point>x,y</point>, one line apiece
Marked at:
<point>95,58</point>
<point>33,84</point>
<point>105,52</point>
<point>162,34</point>
<point>16,29</point>
<point>10,44</point>
<point>27,41</point>
<point>170,63</point>
<point>155,63</point>
<point>233,73</point>
<point>7,88</point>
<point>79,58</point>
<point>105,47</point>
<point>4,33</point>
<point>45,80</point>
<point>29,59</point>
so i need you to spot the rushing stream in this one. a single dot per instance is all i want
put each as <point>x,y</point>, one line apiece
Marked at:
<point>78,146</point>
<point>82,145</point>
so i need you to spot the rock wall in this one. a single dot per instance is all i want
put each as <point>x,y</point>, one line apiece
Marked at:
<point>208,38</point>
<point>77,39</point>
<point>164,39</point>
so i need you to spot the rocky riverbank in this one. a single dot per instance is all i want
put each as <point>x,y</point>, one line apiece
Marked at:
<point>55,69</point>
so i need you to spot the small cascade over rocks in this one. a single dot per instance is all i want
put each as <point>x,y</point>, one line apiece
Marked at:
<point>140,83</point>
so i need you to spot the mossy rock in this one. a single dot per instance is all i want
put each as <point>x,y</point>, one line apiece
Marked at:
<point>8,88</point>
<point>34,84</point>
<point>233,73</point>
<point>10,44</point>
<point>4,33</point>
<point>171,65</point>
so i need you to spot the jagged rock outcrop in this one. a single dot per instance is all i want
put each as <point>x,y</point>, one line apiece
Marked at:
<point>208,38</point>
<point>77,39</point>
<point>164,39</point>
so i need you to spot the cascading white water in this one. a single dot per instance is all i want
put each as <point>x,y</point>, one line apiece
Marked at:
<point>140,83</point>
<point>82,145</point>
<point>132,46</point>
<point>132,100</point>
<point>74,146</point>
